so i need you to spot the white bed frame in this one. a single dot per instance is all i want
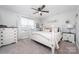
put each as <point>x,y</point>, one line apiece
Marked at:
<point>45,41</point>
<point>50,43</point>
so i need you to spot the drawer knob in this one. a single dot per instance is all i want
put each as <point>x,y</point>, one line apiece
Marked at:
<point>1,35</point>
<point>1,32</point>
<point>15,37</point>
<point>1,42</point>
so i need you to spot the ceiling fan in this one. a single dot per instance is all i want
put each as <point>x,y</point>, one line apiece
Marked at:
<point>40,10</point>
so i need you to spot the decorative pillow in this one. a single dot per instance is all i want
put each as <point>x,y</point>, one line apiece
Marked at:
<point>50,28</point>
<point>46,29</point>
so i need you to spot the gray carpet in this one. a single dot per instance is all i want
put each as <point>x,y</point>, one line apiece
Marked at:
<point>25,46</point>
<point>67,48</point>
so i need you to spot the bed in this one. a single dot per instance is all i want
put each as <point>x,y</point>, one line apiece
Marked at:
<point>47,38</point>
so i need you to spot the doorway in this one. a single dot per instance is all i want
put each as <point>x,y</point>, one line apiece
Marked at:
<point>25,27</point>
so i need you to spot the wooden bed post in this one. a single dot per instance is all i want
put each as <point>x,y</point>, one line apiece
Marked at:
<point>53,49</point>
<point>52,41</point>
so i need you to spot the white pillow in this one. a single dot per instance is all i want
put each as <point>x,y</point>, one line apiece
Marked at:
<point>46,30</point>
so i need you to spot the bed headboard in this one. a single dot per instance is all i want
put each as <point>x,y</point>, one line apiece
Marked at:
<point>50,28</point>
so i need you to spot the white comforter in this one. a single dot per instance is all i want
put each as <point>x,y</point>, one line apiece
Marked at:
<point>52,37</point>
<point>44,34</point>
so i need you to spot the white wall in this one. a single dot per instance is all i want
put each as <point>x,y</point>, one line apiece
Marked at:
<point>60,19</point>
<point>8,18</point>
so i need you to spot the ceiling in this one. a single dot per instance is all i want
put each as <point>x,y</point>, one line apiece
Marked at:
<point>28,12</point>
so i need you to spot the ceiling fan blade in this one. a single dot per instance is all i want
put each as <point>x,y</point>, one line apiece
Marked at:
<point>34,9</point>
<point>45,11</point>
<point>43,6</point>
<point>35,12</point>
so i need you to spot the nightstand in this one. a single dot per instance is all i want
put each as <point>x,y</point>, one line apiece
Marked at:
<point>69,37</point>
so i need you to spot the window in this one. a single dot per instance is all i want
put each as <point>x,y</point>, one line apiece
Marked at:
<point>25,22</point>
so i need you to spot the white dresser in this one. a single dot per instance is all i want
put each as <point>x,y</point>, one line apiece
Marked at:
<point>69,36</point>
<point>8,36</point>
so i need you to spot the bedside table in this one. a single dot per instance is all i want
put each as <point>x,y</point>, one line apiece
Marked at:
<point>69,37</point>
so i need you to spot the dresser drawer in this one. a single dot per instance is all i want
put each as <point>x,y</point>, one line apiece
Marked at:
<point>8,36</point>
<point>1,43</point>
